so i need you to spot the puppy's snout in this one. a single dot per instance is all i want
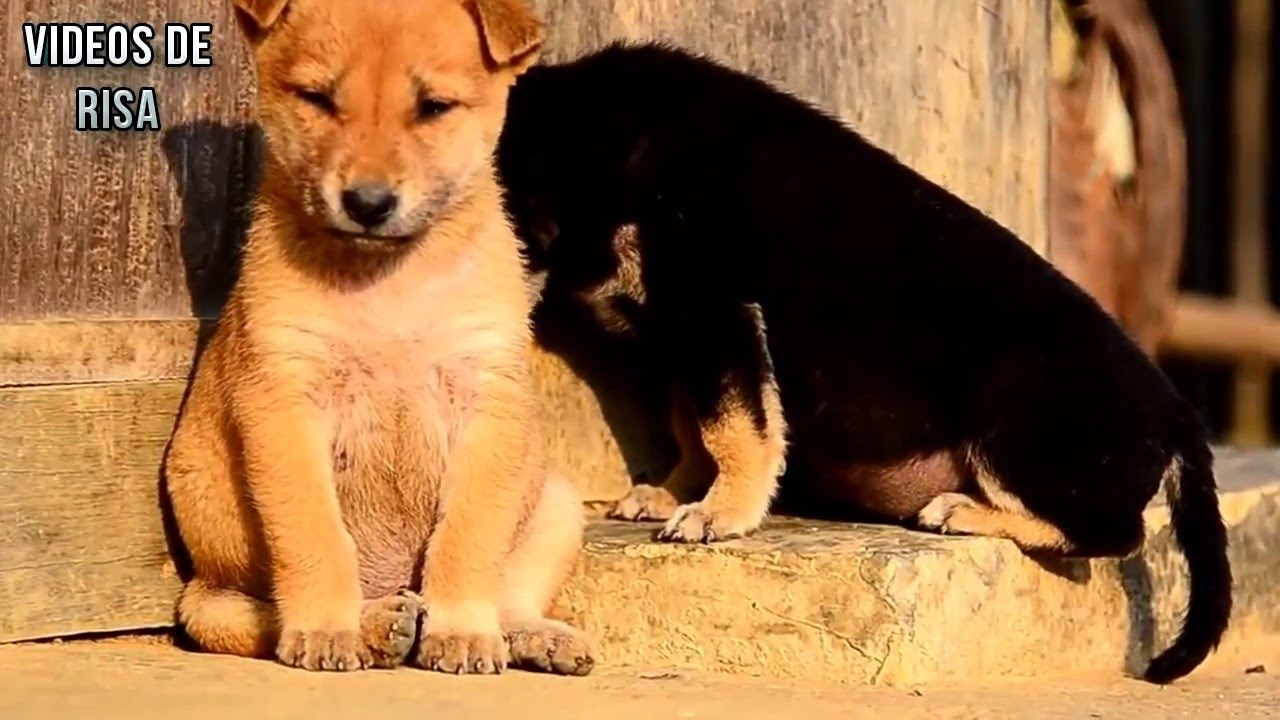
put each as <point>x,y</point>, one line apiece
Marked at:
<point>369,204</point>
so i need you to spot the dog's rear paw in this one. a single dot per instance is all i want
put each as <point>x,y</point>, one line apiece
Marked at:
<point>389,626</point>
<point>695,523</point>
<point>937,514</point>
<point>645,502</point>
<point>551,646</point>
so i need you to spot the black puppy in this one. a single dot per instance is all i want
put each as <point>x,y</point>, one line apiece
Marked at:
<point>919,362</point>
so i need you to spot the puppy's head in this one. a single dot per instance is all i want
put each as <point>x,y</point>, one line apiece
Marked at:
<point>379,114</point>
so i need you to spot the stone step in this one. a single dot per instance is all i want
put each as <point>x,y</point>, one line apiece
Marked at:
<point>866,604</point>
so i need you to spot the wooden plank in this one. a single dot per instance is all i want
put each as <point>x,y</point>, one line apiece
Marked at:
<point>592,436</point>
<point>42,353</point>
<point>1251,403</point>
<point>81,541</point>
<point>105,224</point>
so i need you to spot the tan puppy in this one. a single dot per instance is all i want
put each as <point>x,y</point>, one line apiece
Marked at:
<point>362,421</point>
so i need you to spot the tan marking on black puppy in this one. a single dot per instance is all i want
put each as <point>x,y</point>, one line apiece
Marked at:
<point>1002,515</point>
<point>960,514</point>
<point>624,283</point>
<point>363,421</point>
<point>748,464</point>
<point>748,456</point>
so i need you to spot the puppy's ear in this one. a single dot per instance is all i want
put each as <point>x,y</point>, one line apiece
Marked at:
<point>511,31</point>
<point>257,16</point>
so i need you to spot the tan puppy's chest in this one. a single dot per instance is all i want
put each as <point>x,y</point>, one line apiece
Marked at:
<point>393,426</point>
<point>394,375</point>
<point>394,405</point>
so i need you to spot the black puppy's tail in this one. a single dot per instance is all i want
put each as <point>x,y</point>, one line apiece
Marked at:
<point>1198,527</point>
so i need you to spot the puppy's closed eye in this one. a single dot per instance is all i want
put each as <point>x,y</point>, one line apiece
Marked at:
<point>321,99</point>
<point>430,108</point>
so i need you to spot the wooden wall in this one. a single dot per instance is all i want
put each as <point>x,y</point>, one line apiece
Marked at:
<point>129,224</point>
<point>114,245</point>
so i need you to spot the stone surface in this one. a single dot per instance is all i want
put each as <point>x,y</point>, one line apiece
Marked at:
<point>884,605</point>
<point>132,681</point>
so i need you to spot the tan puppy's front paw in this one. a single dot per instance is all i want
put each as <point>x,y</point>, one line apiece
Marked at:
<point>389,626</point>
<point>342,650</point>
<point>645,502</point>
<point>696,523</point>
<point>551,646</point>
<point>462,642</point>
<point>463,653</point>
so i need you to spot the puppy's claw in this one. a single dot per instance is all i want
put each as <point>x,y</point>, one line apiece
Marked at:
<point>694,523</point>
<point>460,654</point>
<point>551,646</point>
<point>389,626</point>
<point>319,650</point>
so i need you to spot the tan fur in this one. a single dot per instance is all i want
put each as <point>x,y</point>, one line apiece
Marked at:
<point>1002,514</point>
<point>624,283</point>
<point>741,463</point>
<point>748,465</point>
<point>259,15</point>
<point>954,513</point>
<point>362,421</point>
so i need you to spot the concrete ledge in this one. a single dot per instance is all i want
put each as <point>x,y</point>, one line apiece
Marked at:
<point>880,605</point>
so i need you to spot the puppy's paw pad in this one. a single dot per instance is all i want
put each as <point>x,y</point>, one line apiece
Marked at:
<point>552,647</point>
<point>463,653</point>
<point>694,523</point>
<point>937,514</point>
<point>389,626</point>
<point>645,502</point>
<point>323,650</point>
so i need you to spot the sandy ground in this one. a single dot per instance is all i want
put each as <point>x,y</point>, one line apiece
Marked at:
<point>144,679</point>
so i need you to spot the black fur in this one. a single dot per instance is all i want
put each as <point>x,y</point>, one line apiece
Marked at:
<point>901,321</point>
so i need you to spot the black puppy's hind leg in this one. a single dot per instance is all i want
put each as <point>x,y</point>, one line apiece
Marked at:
<point>998,513</point>
<point>725,367</point>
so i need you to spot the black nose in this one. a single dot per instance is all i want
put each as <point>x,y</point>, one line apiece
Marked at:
<point>369,204</point>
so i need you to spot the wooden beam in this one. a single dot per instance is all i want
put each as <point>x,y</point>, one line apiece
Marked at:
<point>1251,425</point>
<point>44,353</point>
<point>1223,329</point>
